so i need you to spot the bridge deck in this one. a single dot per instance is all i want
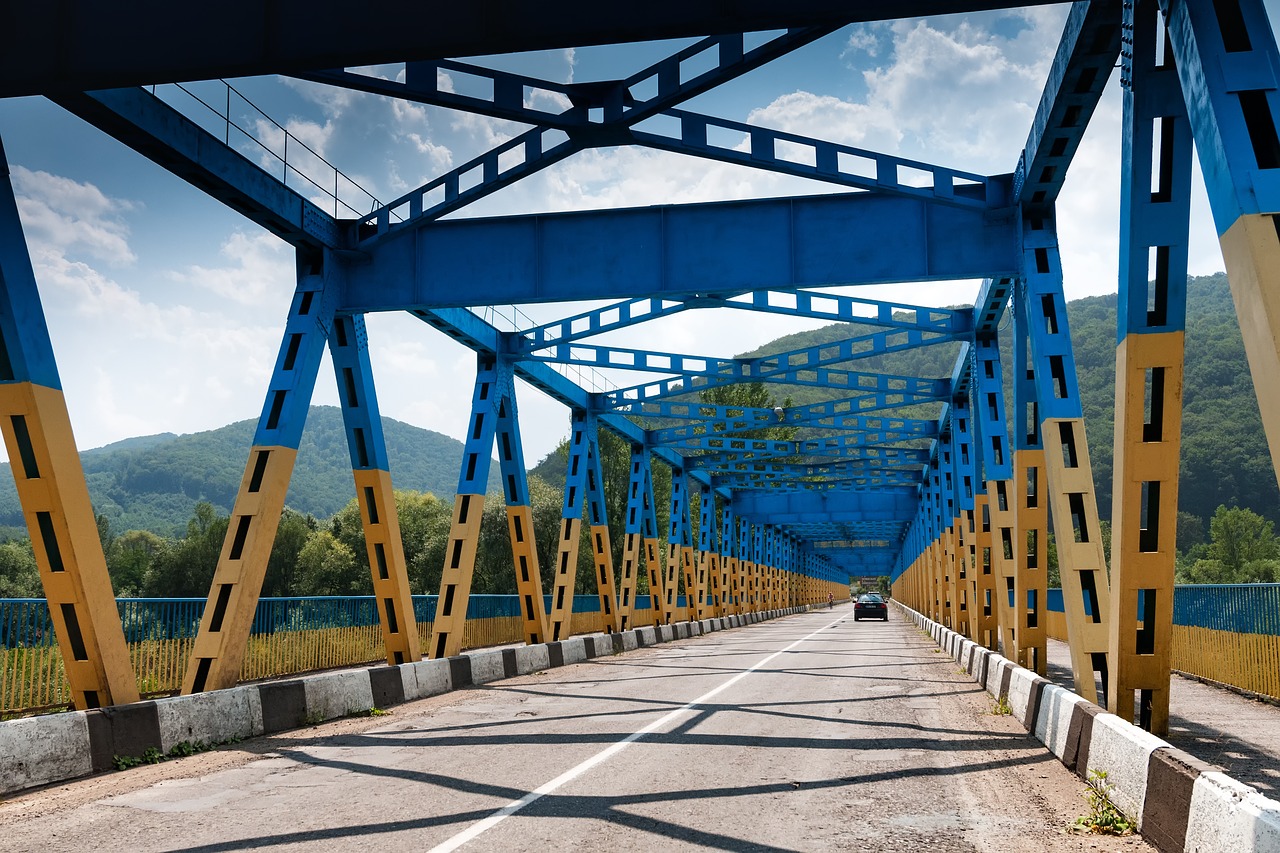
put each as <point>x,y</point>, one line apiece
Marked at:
<point>811,732</point>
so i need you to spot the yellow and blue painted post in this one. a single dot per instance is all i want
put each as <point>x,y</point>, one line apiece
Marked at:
<point>755,565</point>
<point>1056,416</point>
<point>220,646</point>
<point>639,528</point>
<point>1229,67</point>
<point>746,566</point>
<point>601,546</point>
<point>1154,223</point>
<point>520,529</point>
<point>349,351</point>
<point>964,476</point>
<point>51,485</point>
<point>991,507</point>
<point>709,590</point>
<point>1030,515</point>
<point>494,417</point>
<point>566,566</point>
<point>679,550</point>
<point>729,580</point>
<point>468,510</point>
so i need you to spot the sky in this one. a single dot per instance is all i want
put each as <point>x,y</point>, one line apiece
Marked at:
<point>166,309</point>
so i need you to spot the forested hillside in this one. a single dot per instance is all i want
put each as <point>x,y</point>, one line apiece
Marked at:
<point>153,483</point>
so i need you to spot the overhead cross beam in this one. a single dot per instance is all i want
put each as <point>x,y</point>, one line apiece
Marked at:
<point>78,45</point>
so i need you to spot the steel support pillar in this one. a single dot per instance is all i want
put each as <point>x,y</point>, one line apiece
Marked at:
<point>566,567</point>
<point>349,351</point>
<point>1229,68</point>
<point>1071,498</point>
<point>237,582</point>
<point>51,484</point>
<point>710,592</point>
<point>1154,223</point>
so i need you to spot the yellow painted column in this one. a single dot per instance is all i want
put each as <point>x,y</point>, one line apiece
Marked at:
<point>455,580</point>
<point>385,550</point>
<point>1081,560</point>
<point>1145,516</point>
<point>566,576</point>
<point>630,574</point>
<point>64,538</point>
<point>528,576</point>
<point>1031,523</point>
<point>984,607</point>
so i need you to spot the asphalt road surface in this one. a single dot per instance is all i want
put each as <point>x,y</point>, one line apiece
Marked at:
<point>811,732</point>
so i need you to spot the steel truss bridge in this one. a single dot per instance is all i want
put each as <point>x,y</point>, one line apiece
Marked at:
<point>954,508</point>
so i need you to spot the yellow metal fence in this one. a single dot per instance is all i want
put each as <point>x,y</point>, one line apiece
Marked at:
<point>32,678</point>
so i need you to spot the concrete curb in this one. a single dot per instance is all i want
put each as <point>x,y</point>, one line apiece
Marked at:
<point>1179,802</point>
<point>42,750</point>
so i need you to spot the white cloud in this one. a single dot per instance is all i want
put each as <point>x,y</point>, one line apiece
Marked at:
<point>261,268</point>
<point>72,216</point>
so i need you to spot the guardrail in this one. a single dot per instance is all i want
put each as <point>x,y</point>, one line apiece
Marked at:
<point>1228,633</point>
<point>289,636</point>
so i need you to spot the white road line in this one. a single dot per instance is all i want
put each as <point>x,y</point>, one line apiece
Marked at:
<point>475,830</point>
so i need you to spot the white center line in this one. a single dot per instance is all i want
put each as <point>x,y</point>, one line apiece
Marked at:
<point>475,830</point>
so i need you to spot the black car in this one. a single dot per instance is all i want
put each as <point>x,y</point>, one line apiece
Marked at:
<point>870,606</point>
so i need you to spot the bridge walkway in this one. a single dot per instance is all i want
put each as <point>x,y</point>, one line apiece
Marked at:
<point>1235,732</point>
<point>811,732</point>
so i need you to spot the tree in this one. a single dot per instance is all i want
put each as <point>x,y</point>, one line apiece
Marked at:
<point>19,576</point>
<point>328,566</point>
<point>291,537</point>
<point>185,570</point>
<point>1242,549</point>
<point>130,558</point>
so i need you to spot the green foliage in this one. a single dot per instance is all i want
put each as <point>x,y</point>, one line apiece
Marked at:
<point>1103,817</point>
<point>19,576</point>
<point>1002,707</point>
<point>151,756</point>
<point>1242,549</point>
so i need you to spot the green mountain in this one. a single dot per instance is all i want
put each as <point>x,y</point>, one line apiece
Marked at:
<point>153,482</point>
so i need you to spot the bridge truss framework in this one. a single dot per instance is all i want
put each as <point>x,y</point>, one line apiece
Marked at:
<point>954,508</point>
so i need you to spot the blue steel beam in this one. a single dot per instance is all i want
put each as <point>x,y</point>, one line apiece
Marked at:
<point>870,430</point>
<point>896,506</point>
<point>768,369</point>
<point>853,451</point>
<point>162,134</point>
<point>76,45</point>
<point>828,471</point>
<point>801,367</point>
<point>510,95</point>
<point>772,150</point>
<point>679,250</point>
<point>555,135</point>
<point>1086,54</point>
<point>836,307</point>
<point>834,414</point>
<point>829,162</point>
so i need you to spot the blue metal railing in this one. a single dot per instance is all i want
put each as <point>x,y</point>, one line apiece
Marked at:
<point>25,622</point>
<point>1252,608</point>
